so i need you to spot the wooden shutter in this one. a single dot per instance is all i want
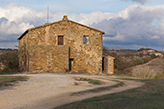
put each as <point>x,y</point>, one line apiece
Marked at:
<point>60,40</point>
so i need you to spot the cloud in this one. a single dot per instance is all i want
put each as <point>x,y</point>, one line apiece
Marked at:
<point>15,19</point>
<point>155,37</point>
<point>134,26</point>
<point>138,1</point>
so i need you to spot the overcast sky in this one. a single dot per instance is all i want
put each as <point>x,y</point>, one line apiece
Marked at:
<point>127,23</point>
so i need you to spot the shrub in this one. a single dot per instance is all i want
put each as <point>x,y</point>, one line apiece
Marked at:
<point>153,56</point>
<point>146,59</point>
<point>137,61</point>
<point>146,73</point>
<point>123,64</point>
<point>126,60</point>
<point>148,54</point>
<point>131,55</point>
<point>106,50</point>
<point>141,49</point>
<point>10,61</point>
<point>123,72</point>
<point>141,54</point>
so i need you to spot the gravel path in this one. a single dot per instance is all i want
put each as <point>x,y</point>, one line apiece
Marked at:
<point>46,91</point>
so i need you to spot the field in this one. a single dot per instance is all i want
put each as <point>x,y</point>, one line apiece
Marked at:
<point>149,96</point>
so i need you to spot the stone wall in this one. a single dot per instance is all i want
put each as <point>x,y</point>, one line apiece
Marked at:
<point>110,65</point>
<point>48,58</point>
<point>85,57</point>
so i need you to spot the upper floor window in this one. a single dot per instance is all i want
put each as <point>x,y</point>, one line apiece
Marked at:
<point>86,39</point>
<point>60,40</point>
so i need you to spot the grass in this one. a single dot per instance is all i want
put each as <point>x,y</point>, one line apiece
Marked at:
<point>126,78</point>
<point>149,96</point>
<point>91,81</point>
<point>100,89</point>
<point>8,72</point>
<point>7,80</point>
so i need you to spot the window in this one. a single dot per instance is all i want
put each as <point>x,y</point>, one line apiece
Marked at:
<point>60,40</point>
<point>86,39</point>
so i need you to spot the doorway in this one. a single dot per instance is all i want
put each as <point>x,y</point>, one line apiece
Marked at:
<point>104,64</point>
<point>70,63</point>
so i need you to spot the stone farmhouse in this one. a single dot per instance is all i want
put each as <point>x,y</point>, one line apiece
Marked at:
<point>61,47</point>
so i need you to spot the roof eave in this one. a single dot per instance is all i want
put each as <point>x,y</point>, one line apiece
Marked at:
<point>23,34</point>
<point>47,24</point>
<point>87,26</point>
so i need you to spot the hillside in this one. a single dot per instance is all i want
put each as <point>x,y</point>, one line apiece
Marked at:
<point>127,58</point>
<point>6,50</point>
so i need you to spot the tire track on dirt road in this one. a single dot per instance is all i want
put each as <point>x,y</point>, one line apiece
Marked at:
<point>47,91</point>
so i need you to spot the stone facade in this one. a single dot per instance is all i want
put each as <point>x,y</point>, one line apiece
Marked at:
<point>108,64</point>
<point>43,58</point>
<point>60,46</point>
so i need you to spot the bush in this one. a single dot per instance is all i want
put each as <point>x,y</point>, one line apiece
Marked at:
<point>123,64</point>
<point>146,73</point>
<point>124,61</point>
<point>129,55</point>
<point>141,49</point>
<point>146,59</point>
<point>153,56</point>
<point>10,61</point>
<point>141,54</point>
<point>123,72</point>
<point>137,61</point>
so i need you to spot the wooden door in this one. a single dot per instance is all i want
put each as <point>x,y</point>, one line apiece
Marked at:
<point>60,40</point>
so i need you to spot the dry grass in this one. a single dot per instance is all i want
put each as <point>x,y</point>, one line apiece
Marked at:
<point>147,73</point>
<point>157,64</point>
<point>9,62</point>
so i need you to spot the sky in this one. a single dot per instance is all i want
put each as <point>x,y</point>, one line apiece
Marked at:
<point>130,24</point>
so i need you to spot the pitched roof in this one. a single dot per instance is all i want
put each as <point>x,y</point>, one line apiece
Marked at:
<point>48,24</point>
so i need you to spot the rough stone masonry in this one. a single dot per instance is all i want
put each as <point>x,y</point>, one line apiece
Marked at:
<point>61,46</point>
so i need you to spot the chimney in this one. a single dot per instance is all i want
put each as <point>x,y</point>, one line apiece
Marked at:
<point>65,17</point>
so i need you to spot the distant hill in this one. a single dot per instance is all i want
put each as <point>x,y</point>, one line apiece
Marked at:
<point>117,48</point>
<point>162,52</point>
<point>2,50</point>
<point>123,51</point>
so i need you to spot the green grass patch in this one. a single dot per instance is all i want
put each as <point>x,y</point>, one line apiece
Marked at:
<point>126,78</point>
<point>149,96</point>
<point>7,80</point>
<point>91,81</point>
<point>100,89</point>
<point>8,72</point>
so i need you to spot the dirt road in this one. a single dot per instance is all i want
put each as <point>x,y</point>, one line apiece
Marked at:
<point>46,91</point>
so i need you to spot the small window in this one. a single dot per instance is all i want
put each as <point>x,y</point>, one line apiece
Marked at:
<point>60,40</point>
<point>86,39</point>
